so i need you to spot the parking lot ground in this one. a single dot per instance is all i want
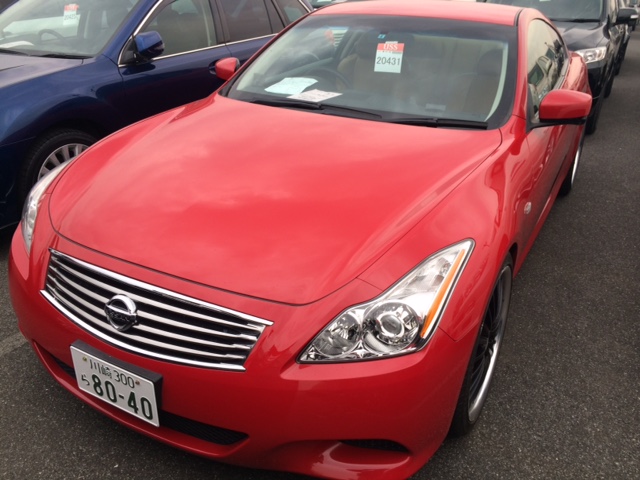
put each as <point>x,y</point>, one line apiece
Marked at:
<point>565,403</point>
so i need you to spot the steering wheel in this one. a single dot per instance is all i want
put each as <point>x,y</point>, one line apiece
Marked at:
<point>334,74</point>
<point>305,57</point>
<point>53,33</point>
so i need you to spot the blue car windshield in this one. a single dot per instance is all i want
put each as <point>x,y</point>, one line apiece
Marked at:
<point>561,10</point>
<point>65,28</point>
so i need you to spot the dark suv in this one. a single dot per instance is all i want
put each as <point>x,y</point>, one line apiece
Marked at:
<point>595,29</point>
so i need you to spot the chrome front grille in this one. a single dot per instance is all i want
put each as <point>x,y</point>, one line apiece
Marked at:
<point>170,326</point>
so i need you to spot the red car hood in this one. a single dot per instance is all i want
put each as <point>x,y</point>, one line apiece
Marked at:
<point>273,203</point>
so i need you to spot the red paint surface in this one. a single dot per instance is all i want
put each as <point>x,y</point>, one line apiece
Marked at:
<point>292,217</point>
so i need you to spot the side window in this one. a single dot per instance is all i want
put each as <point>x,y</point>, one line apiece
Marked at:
<point>546,58</point>
<point>292,10</point>
<point>246,19</point>
<point>184,25</point>
<point>274,17</point>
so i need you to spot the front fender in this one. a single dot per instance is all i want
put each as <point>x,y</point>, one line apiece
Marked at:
<point>83,96</point>
<point>479,208</point>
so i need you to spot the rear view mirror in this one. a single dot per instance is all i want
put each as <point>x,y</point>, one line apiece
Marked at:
<point>226,67</point>
<point>560,107</point>
<point>148,45</point>
<point>628,16</point>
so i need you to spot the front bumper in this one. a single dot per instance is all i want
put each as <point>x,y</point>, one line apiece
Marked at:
<point>377,419</point>
<point>11,156</point>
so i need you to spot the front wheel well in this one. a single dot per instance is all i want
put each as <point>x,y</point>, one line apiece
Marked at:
<point>88,126</point>
<point>50,149</point>
<point>513,251</point>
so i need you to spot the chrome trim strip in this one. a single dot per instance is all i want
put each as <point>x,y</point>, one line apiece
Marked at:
<point>198,341</point>
<point>145,328</point>
<point>77,286</point>
<point>210,336</point>
<point>161,291</point>
<point>128,347</point>
<point>125,65</point>
<point>99,323</point>
<point>193,328</point>
<point>251,39</point>
<point>133,296</point>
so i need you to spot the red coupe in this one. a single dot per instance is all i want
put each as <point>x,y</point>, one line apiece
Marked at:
<point>311,269</point>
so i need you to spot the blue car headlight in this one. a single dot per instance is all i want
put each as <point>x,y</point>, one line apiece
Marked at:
<point>32,204</point>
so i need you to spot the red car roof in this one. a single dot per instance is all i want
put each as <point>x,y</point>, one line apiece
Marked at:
<point>455,10</point>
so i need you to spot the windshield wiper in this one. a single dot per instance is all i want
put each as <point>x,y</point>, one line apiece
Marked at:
<point>576,20</point>
<point>330,108</point>
<point>64,55</point>
<point>323,107</point>
<point>439,122</point>
<point>287,102</point>
<point>12,52</point>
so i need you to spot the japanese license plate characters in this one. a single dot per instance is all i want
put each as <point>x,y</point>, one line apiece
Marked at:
<point>115,385</point>
<point>389,57</point>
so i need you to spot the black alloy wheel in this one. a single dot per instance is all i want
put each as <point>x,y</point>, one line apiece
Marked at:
<point>594,115</point>
<point>567,183</point>
<point>484,356</point>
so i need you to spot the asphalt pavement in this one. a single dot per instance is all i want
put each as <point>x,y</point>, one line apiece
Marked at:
<point>565,402</point>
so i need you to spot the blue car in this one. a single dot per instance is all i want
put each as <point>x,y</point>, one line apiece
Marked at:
<point>73,71</point>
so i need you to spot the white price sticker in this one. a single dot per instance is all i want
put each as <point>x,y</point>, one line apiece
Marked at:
<point>389,57</point>
<point>70,16</point>
<point>315,96</point>
<point>291,85</point>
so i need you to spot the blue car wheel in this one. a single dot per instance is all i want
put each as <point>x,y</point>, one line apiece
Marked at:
<point>49,151</point>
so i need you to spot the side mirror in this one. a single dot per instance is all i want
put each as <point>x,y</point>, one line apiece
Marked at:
<point>627,16</point>
<point>148,45</point>
<point>226,67</point>
<point>564,107</point>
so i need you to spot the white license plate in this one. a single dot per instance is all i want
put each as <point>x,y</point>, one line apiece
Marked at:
<point>115,384</point>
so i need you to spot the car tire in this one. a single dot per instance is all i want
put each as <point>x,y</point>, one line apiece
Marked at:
<point>592,120</point>
<point>567,183</point>
<point>623,53</point>
<point>609,86</point>
<point>49,151</point>
<point>477,380</point>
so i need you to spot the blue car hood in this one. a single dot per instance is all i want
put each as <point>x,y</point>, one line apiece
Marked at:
<point>16,69</point>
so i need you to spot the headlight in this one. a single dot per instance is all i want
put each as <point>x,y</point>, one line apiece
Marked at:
<point>32,204</point>
<point>400,321</point>
<point>592,54</point>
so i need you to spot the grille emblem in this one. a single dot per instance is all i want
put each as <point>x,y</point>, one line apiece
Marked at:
<point>121,312</point>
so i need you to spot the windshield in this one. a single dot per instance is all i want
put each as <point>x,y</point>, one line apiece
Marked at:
<point>396,69</point>
<point>562,10</point>
<point>61,28</point>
